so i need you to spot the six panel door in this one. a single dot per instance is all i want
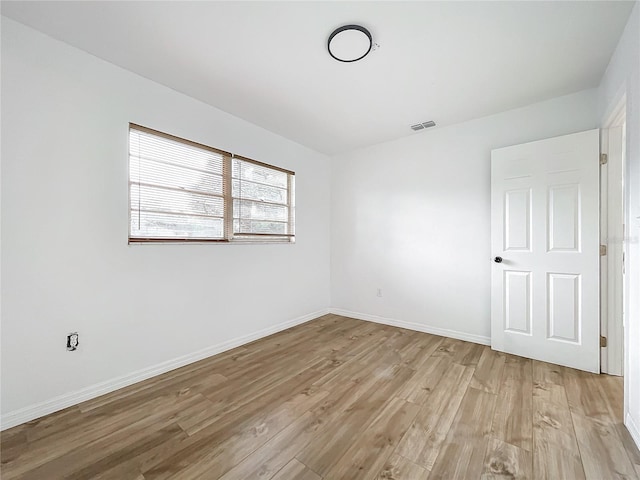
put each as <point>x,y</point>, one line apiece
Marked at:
<point>544,229</point>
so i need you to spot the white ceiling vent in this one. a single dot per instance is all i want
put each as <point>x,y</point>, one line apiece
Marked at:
<point>421,126</point>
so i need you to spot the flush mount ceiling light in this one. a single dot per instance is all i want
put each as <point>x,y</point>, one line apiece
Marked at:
<point>349,43</point>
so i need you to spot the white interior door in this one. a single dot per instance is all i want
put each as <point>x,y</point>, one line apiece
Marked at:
<point>545,242</point>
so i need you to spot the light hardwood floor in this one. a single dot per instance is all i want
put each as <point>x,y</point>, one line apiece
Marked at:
<point>338,398</point>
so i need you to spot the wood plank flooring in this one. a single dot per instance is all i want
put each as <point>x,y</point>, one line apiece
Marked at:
<point>338,398</point>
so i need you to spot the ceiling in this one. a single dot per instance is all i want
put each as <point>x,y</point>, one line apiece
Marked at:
<point>266,62</point>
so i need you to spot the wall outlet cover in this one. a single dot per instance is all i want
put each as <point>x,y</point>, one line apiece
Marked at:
<point>72,341</point>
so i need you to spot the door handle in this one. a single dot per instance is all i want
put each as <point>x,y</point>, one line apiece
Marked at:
<point>498,259</point>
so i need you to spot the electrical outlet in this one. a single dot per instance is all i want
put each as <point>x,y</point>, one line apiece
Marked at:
<point>379,294</point>
<point>72,341</point>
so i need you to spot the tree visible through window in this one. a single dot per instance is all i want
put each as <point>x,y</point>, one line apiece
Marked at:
<point>184,191</point>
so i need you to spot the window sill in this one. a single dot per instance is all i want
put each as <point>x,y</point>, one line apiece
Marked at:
<point>133,242</point>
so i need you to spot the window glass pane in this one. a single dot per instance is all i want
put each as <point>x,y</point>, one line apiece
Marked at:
<point>152,147</point>
<point>259,227</point>
<point>259,192</point>
<point>259,174</point>
<point>154,225</point>
<point>261,200</point>
<point>176,189</point>
<point>260,211</point>
<point>154,173</point>
<point>148,198</point>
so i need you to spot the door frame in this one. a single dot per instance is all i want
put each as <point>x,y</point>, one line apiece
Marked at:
<point>612,215</point>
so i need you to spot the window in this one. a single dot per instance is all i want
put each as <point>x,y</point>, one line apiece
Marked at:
<point>183,191</point>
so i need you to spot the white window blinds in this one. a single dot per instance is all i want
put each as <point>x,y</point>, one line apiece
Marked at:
<point>262,200</point>
<point>184,191</point>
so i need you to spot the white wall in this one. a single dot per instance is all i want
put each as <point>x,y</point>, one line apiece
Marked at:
<point>66,265</point>
<point>623,76</point>
<point>412,217</point>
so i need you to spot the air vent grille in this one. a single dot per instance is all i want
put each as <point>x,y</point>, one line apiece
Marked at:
<point>423,125</point>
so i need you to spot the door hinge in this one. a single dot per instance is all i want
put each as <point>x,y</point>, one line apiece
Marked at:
<point>603,341</point>
<point>603,250</point>
<point>603,159</point>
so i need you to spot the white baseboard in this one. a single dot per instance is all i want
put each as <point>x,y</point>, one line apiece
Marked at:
<point>418,327</point>
<point>634,429</point>
<point>32,412</point>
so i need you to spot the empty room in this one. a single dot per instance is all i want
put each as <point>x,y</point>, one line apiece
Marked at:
<point>300,240</point>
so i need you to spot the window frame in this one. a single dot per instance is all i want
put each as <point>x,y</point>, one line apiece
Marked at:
<point>227,195</point>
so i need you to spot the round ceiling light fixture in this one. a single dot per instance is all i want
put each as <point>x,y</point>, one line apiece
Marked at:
<point>349,43</point>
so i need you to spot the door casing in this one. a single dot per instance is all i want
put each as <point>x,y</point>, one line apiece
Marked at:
<point>612,234</point>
